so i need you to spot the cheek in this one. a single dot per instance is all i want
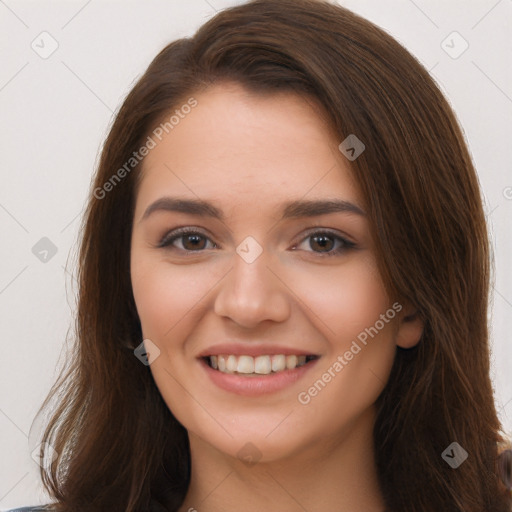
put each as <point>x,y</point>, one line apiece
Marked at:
<point>154,297</point>
<point>344,300</point>
<point>347,305</point>
<point>167,296</point>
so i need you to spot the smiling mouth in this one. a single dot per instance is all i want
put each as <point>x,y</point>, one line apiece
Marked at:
<point>260,365</point>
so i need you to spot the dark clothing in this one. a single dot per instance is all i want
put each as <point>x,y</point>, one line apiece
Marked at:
<point>38,508</point>
<point>155,507</point>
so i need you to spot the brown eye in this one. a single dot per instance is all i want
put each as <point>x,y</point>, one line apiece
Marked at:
<point>191,241</point>
<point>322,242</point>
<point>325,243</point>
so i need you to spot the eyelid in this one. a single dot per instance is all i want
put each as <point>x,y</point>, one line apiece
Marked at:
<point>175,234</point>
<point>346,244</point>
<point>327,231</point>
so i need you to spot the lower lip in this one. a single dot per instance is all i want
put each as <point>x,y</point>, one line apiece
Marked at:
<point>254,386</point>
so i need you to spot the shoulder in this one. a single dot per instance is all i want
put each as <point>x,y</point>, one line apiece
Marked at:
<point>35,508</point>
<point>154,507</point>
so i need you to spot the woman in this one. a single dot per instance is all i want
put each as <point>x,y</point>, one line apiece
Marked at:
<point>284,276</point>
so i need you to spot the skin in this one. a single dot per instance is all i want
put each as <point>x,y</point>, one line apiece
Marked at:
<point>248,154</point>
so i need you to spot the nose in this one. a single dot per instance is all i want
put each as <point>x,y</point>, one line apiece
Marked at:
<point>251,293</point>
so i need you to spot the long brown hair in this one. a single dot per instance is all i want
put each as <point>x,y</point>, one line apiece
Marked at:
<point>119,447</point>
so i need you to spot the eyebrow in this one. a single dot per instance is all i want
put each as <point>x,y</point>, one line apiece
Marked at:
<point>291,209</point>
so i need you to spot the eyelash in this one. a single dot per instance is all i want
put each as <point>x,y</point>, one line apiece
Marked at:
<point>167,241</point>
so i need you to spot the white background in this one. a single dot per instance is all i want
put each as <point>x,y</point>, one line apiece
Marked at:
<point>55,113</point>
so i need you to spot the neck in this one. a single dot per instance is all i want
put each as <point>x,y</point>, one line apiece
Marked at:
<point>336,472</point>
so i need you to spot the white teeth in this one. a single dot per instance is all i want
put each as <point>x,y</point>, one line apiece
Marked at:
<point>260,365</point>
<point>291,362</point>
<point>245,364</point>
<point>279,363</point>
<point>231,364</point>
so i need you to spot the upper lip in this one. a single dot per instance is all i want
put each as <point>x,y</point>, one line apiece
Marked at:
<point>253,349</point>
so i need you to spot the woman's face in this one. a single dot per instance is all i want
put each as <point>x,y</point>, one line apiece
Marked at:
<point>272,269</point>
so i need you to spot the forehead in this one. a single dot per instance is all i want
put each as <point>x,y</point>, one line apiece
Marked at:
<point>237,144</point>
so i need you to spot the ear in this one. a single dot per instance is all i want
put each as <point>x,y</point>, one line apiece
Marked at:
<point>410,328</point>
